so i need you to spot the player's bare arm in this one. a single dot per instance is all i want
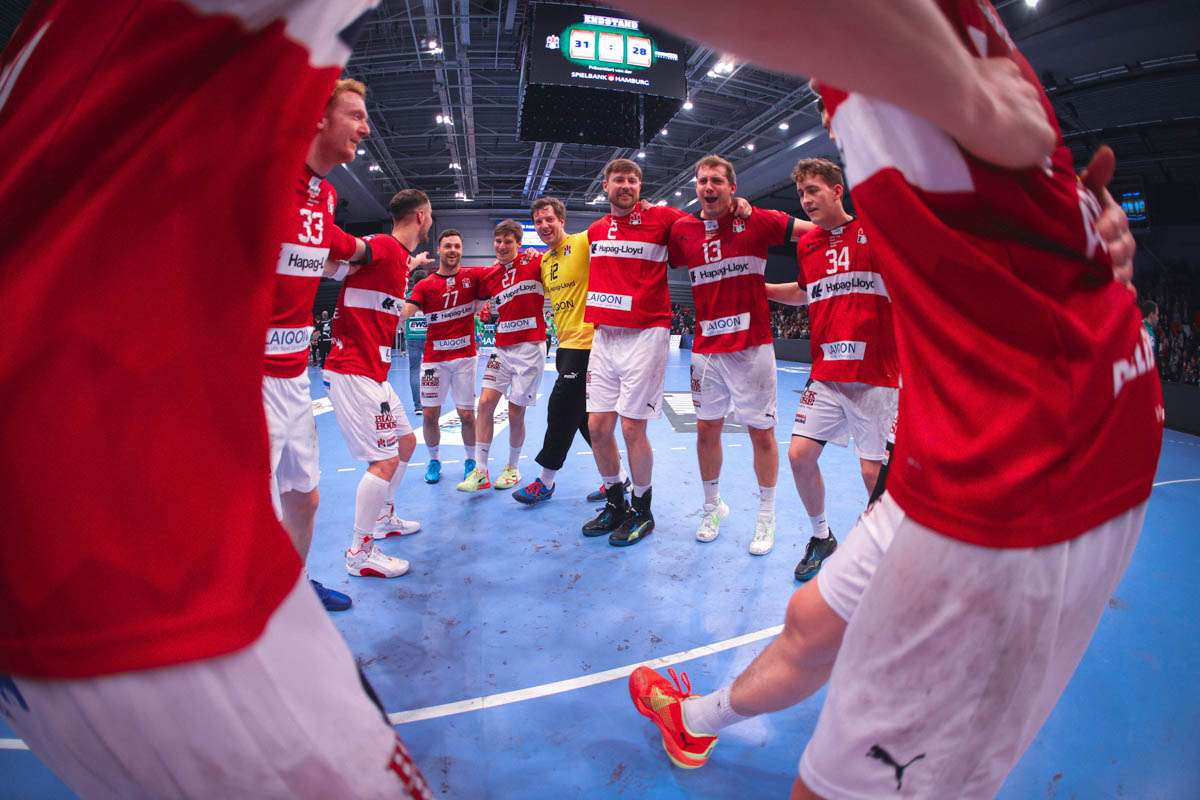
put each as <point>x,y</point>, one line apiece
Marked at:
<point>791,294</point>
<point>420,260</point>
<point>339,270</point>
<point>742,208</point>
<point>903,51</point>
<point>799,228</point>
<point>408,310</point>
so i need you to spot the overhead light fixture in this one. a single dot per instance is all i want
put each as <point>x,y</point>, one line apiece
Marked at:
<point>783,126</point>
<point>641,154</point>
<point>661,203</point>
<point>432,44</point>
<point>442,119</point>
<point>362,151</point>
<point>678,193</point>
<point>693,179</point>
<point>750,146</point>
<point>1031,3</point>
<point>712,73</point>
<point>375,168</point>
<point>663,131</point>
<point>687,104</point>
<point>600,198</point>
<point>439,119</point>
<point>724,66</point>
<point>455,165</point>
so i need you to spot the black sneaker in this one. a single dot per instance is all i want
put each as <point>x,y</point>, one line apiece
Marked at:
<point>814,556</point>
<point>598,495</point>
<point>611,516</point>
<point>637,525</point>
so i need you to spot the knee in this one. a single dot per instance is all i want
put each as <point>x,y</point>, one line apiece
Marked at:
<point>405,447</point>
<point>301,504</point>
<point>802,458</point>
<point>467,417</point>
<point>633,428</point>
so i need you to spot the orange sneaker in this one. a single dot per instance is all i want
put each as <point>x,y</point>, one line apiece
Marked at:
<point>656,698</point>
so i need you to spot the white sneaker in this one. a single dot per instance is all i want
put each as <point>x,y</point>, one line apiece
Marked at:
<point>764,536</point>
<point>391,525</point>
<point>370,561</point>
<point>712,520</point>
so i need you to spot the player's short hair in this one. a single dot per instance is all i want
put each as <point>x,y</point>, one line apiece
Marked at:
<point>342,86</point>
<point>822,168</point>
<point>448,232</point>
<point>1148,308</point>
<point>406,202</point>
<point>417,276</point>
<point>560,210</point>
<point>622,165</point>
<point>510,226</point>
<point>714,160</point>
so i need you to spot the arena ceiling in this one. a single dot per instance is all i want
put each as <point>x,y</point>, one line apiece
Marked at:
<point>1121,72</point>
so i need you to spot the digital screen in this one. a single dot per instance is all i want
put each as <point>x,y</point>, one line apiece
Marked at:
<point>603,48</point>
<point>1134,204</point>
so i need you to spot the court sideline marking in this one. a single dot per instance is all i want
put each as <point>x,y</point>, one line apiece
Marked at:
<point>558,687</point>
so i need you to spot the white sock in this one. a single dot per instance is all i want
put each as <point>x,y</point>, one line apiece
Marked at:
<point>639,490</point>
<point>766,501</point>
<point>820,526</point>
<point>371,495</point>
<point>469,450</point>
<point>394,483</point>
<point>514,454</point>
<point>712,495</point>
<point>710,713</point>
<point>622,476</point>
<point>481,457</point>
<point>611,480</point>
<point>548,477</point>
<point>434,452</point>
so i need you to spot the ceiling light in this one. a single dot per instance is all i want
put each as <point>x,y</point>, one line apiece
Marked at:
<point>783,126</point>
<point>663,131</point>
<point>712,74</point>
<point>678,193</point>
<point>455,165</point>
<point>641,154</point>
<point>433,44</point>
<point>661,203</point>
<point>375,168</point>
<point>750,146</point>
<point>439,119</point>
<point>687,104</point>
<point>362,151</point>
<point>600,198</point>
<point>1031,3</point>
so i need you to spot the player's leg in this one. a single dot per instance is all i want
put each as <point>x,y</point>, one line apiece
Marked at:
<point>388,522</point>
<point>870,413</point>
<point>431,432</point>
<point>766,470</point>
<point>299,517</point>
<point>462,387</point>
<point>820,418</point>
<point>603,388</point>
<point>640,399</point>
<point>415,352</point>
<point>525,364</point>
<point>485,426</point>
<point>752,379</point>
<point>711,399</point>
<point>566,410</point>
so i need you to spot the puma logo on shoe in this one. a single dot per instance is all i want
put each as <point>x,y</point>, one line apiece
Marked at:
<point>879,753</point>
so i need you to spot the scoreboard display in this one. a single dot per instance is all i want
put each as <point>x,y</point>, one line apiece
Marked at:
<point>600,48</point>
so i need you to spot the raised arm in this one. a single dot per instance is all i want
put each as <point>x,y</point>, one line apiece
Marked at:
<point>791,294</point>
<point>903,51</point>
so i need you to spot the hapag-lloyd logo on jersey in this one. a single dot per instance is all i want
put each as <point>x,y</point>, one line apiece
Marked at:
<point>300,260</point>
<point>844,351</point>
<point>450,313</point>
<point>281,341</point>
<point>516,325</point>
<point>722,325</point>
<point>620,249</point>
<point>847,283</point>
<point>451,344</point>
<point>524,287</point>
<point>732,267</point>
<point>622,302</point>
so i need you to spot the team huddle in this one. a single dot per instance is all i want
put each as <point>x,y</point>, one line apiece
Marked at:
<point>971,333</point>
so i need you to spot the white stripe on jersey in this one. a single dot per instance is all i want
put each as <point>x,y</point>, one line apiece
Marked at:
<point>281,341</point>
<point>622,302</point>
<point>451,313</point>
<point>733,324</point>
<point>844,283</point>
<point>524,287</point>
<point>732,267</point>
<point>301,260</point>
<point>844,351</point>
<point>645,251</point>
<point>451,344</point>
<point>372,301</point>
<point>516,325</point>
<point>313,23</point>
<point>873,134</point>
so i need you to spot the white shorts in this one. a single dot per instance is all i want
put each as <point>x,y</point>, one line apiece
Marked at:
<point>441,379</point>
<point>830,411</point>
<point>627,371</point>
<point>954,656</point>
<point>516,371</point>
<point>295,457</point>
<point>284,717</point>
<point>369,414</point>
<point>745,379</point>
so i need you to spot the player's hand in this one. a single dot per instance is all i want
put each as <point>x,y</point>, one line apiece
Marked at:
<point>1008,125</point>
<point>742,208</point>
<point>644,205</point>
<point>1113,224</point>
<point>419,260</point>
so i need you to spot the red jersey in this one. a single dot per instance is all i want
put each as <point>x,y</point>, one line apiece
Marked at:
<point>848,307</point>
<point>627,283</point>
<point>727,260</point>
<point>520,299</point>
<point>448,302</point>
<point>298,268</point>
<point>1030,411</point>
<point>183,558</point>
<point>368,312</point>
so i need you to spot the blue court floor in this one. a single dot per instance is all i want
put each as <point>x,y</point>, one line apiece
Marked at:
<point>502,656</point>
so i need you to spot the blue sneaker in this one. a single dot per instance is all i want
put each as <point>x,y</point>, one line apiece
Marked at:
<point>433,473</point>
<point>468,467</point>
<point>533,493</point>
<point>333,601</point>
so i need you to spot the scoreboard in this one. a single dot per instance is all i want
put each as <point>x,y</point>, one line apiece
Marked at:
<point>597,48</point>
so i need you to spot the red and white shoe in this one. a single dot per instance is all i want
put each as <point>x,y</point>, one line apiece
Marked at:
<point>372,562</point>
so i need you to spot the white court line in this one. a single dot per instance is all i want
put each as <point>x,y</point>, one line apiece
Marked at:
<point>347,469</point>
<point>558,687</point>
